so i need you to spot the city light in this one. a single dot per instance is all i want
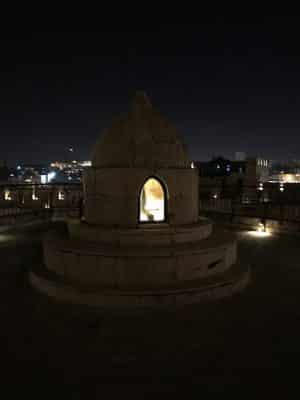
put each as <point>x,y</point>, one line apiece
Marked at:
<point>61,195</point>
<point>7,195</point>
<point>51,176</point>
<point>86,164</point>
<point>261,231</point>
<point>34,196</point>
<point>261,186</point>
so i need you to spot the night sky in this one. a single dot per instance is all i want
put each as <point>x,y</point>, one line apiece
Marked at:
<point>228,87</point>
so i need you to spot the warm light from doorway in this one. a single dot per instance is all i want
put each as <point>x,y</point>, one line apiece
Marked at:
<point>152,202</point>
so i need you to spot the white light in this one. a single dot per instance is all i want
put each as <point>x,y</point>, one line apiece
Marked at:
<point>261,231</point>
<point>61,195</point>
<point>19,167</point>
<point>86,164</point>
<point>34,196</point>
<point>215,196</point>
<point>192,165</point>
<point>7,195</point>
<point>51,176</point>
<point>44,179</point>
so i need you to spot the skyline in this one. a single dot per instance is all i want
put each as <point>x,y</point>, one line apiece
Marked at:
<point>227,87</point>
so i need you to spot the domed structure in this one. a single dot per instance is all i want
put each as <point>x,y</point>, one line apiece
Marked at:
<point>142,138</point>
<point>141,241</point>
<point>140,145</point>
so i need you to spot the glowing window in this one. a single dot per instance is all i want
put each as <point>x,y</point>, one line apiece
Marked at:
<point>152,201</point>
<point>7,195</point>
<point>61,195</point>
<point>34,196</point>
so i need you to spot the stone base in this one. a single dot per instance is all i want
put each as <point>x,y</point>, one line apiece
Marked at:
<point>142,235</point>
<point>223,285</point>
<point>112,266</point>
<point>146,266</point>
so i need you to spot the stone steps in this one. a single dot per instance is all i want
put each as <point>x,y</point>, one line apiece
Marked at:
<point>234,280</point>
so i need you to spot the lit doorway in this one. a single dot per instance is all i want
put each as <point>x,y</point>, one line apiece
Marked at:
<point>152,201</point>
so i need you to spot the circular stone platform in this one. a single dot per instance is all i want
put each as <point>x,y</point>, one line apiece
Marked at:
<point>93,273</point>
<point>234,281</point>
<point>142,235</point>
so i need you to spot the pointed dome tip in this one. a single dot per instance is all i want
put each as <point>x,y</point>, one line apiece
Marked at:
<point>141,99</point>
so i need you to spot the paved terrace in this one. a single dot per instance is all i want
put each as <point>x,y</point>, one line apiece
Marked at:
<point>249,343</point>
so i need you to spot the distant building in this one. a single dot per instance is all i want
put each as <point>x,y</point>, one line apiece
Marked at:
<point>220,167</point>
<point>258,170</point>
<point>221,177</point>
<point>32,173</point>
<point>8,175</point>
<point>56,172</point>
<point>69,171</point>
<point>4,174</point>
<point>240,156</point>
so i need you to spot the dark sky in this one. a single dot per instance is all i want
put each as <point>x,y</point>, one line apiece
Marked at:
<point>229,87</point>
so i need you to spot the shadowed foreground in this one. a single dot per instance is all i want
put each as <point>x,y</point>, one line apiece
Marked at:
<point>249,343</point>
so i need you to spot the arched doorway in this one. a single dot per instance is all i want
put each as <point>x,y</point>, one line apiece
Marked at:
<point>152,201</point>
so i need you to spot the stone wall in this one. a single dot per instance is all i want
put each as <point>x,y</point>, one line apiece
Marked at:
<point>112,194</point>
<point>40,196</point>
<point>275,217</point>
<point>93,264</point>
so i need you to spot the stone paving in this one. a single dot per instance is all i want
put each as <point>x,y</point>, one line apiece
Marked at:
<point>248,343</point>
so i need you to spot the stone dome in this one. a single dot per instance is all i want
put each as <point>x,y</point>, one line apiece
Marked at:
<point>142,138</point>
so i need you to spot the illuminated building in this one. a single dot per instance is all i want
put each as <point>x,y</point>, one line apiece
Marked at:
<point>69,170</point>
